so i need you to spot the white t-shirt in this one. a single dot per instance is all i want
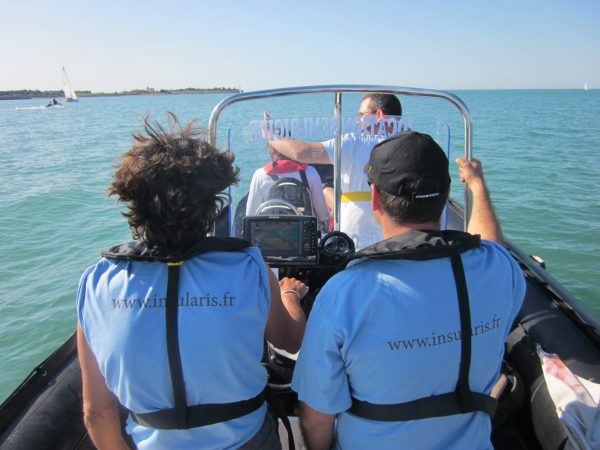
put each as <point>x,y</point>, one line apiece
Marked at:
<point>261,184</point>
<point>356,217</point>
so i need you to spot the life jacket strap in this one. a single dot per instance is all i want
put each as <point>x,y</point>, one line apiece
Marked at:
<point>462,387</point>
<point>199,415</point>
<point>462,400</point>
<point>423,408</point>
<point>174,355</point>
<point>304,179</point>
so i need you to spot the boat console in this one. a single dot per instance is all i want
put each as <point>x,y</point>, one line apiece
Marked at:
<point>286,240</point>
<point>293,246</point>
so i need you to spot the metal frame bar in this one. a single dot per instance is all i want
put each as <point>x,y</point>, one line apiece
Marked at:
<point>337,163</point>
<point>338,90</point>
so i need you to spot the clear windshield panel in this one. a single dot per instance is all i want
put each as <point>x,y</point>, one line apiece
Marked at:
<point>285,149</point>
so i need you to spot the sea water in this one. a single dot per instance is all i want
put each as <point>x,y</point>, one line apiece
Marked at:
<point>540,149</point>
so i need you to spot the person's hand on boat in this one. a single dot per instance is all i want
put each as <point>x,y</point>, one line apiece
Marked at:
<point>270,133</point>
<point>471,172</point>
<point>266,128</point>
<point>293,286</point>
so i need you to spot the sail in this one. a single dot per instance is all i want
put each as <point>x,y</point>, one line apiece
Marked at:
<point>70,95</point>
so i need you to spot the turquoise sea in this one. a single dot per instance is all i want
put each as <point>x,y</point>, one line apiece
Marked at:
<point>540,149</point>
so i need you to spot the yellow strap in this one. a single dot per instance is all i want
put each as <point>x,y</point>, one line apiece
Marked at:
<point>175,263</point>
<point>356,197</point>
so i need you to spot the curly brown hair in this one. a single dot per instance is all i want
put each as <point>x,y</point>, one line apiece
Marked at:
<point>172,183</point>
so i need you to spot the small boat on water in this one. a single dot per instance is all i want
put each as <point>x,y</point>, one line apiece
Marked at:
<point>553,339</point>
<point>54,104</point>
<point>70,95</point>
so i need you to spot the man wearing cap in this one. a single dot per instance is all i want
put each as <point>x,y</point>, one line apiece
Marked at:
<point>375,113</point>
<point>404,346</point>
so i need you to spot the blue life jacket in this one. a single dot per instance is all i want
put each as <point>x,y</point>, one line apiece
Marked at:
<point>423,246</point>
<point>182,416</point>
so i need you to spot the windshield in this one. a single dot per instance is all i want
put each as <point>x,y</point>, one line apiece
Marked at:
<point>286,146</point>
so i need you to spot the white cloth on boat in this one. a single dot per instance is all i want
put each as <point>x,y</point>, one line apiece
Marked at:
<point>576,400</point>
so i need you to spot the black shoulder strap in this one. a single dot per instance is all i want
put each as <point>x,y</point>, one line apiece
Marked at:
<point>173,345</point>
<point>199,415</point>
<point>136,251</point>
<point>462,387</point>
<point>462,400</point>
<point>419,245</point>
<point>278,412</point>
<point>423,408</point>
<point>304,179</point>
<point>307,206</point>
<point>274,177</point>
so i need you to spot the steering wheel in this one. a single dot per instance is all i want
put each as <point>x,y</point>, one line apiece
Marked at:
<point>275,207</point>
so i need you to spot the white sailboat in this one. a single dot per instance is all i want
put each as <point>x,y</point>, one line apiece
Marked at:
<point>585,87</point>
<point>70,95</point>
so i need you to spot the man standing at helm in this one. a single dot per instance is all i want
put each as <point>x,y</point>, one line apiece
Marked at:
<point>356,218</point>
<point>404,346</point>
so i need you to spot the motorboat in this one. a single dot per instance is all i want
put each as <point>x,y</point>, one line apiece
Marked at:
<point>552,329</point>
<point>53,104</point>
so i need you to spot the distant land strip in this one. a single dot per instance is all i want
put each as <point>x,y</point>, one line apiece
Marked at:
<point>25,94</point>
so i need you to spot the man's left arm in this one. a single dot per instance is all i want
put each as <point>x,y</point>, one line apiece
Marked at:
<point>317,428</point>
<point>483,220</point>
<point>301,151</point>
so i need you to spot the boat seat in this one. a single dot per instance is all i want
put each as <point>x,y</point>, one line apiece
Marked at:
<point>277,207</point>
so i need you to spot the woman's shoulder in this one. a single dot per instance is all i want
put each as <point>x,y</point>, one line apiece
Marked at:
<point>254,253</point>
<point>92,274</point>
<point>249,253</point>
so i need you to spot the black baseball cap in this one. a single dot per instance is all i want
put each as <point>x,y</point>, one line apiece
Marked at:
<point>408,155</point>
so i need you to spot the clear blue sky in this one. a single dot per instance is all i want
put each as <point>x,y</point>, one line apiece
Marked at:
<point>113,45</point>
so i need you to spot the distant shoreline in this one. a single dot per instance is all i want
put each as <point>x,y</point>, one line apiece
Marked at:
<point>26,94</point>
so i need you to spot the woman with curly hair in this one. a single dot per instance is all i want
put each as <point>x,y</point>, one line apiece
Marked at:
<point>171,326</point>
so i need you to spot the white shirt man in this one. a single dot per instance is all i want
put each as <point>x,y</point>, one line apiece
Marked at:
<point>356,218</point>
